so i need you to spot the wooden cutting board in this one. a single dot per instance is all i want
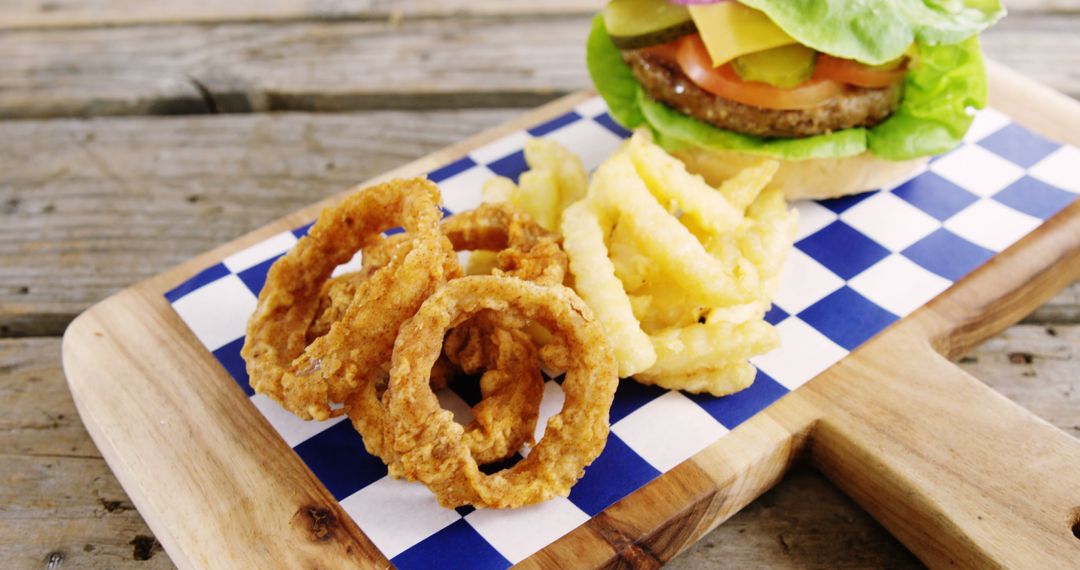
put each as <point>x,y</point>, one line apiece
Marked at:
<point>960,474</point>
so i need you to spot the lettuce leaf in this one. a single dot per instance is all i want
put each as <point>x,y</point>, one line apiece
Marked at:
<point>878,31</point>
<point>673,130</point>
<point>944,82</point>
<point>607,68</point>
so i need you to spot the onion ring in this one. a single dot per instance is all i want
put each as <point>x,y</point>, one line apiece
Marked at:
<point>512,387</point>
<point>306,378</point>
<point>524,248</point>
<point>429,446</point>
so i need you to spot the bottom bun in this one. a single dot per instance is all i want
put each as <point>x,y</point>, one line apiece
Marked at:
<point>813,179</point>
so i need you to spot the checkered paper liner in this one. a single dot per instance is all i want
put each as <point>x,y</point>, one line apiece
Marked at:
<point>859,264</point>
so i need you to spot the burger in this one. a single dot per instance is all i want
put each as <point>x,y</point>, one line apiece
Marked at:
<point>849,95</point>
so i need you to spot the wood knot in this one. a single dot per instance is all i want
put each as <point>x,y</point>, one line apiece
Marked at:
<point>319,522</point>
<point>143,547</point>
<point>626,549</point>
<point>113,506</point>
<point>1021,357</point>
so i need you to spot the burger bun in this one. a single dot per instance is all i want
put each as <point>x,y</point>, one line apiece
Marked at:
<point>813,179</point>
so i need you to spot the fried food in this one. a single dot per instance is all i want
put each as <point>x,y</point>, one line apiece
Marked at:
<point>680,273</point>
<point>430,447</point>
<point>555,179</point>
<point>584,226</point>
<point>306,378</point>
<point>523,248</point>
<point>512,385</point>
<point>364,339</point>
<point>677,273</point>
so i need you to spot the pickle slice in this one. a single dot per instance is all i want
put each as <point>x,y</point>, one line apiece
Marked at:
<point>634,24</point>
<point>784,67</point>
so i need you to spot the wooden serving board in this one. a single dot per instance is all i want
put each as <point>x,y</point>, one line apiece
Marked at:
<point>960,474</point>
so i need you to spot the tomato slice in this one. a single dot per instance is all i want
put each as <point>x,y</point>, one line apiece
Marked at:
<point>695,62</point>
<point>855,73</point>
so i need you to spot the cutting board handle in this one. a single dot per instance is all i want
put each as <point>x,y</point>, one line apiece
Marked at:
<point>960,474</point>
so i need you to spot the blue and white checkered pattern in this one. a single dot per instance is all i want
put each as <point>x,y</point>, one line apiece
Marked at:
<point>859,264</point>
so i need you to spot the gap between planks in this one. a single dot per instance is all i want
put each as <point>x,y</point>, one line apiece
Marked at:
<point>470,61</point>
<point>80,503</point>
<point>122,199</point>
<point>23,14</point>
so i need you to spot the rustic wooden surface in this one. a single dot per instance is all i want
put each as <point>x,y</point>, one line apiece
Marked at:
<point>948,465</point>
<point>89,207</point>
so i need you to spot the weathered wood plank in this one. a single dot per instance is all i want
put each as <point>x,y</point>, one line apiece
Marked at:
<point>120,200</point>
<point>73,509</point>
<point>428,63</point>
<point>1062,309</point>
<point>60,493</point>
<point>1035,366</point>
<point>51,13</point>
<point>467,62</point>
<point>804,522</point>
<point>39,418</point>
<point>58,496</point>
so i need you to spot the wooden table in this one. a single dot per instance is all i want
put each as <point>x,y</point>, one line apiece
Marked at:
<point>134,136</point>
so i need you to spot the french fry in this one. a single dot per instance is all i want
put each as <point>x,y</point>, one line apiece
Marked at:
<point>570,176</point>
<point>669,181</point>
<point>680,273</point>
<point>555,179</point>
<point>498,189</point>
<point>679,253</point>
<point>538,194</point>
<point>595,280</point>
<point>742,189</point>
<point>702,346</point>
<point>720,380</point>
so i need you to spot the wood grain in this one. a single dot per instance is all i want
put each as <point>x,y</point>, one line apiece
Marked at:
<point>278,171</point>
<point>301,513</point>
<point>46,13</point>
<point>492,61</point>
<point>53,13</point>
<point>479,62</point>
<point>805,522</point>
<point>58,496</point>
<point>120,200</point>
<point>911,452</point>
<point>954,470</point>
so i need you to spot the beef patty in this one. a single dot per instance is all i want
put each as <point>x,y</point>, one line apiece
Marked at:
<point>854,107</point>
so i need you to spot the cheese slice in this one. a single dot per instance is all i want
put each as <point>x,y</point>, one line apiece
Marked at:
<point>730,29</point>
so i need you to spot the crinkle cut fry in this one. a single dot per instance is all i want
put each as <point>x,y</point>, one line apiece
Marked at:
<point>681,254</point>
<point>584,226</point>
<point>280,362</point>
<point>428,444</point>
